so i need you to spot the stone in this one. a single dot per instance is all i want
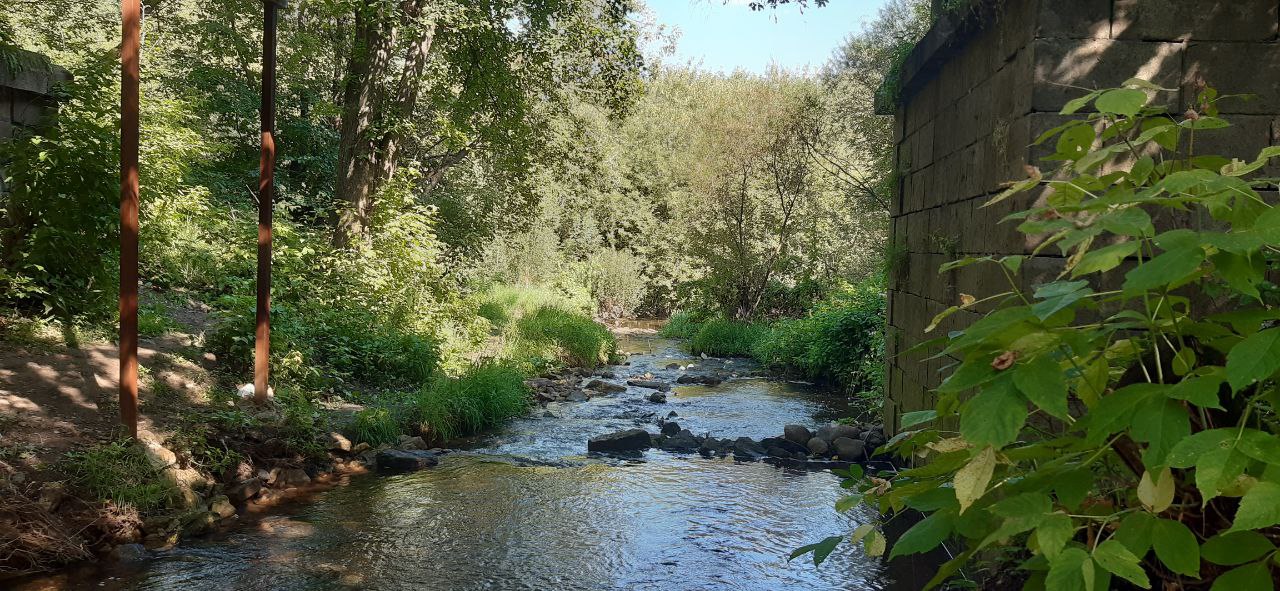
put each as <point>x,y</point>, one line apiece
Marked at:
<point>849,450</point>
<point>839,430</point>
<point>746,449</point>
<point>670,428</point>
<point>628,440</point>
<point>336,442</point>
<point>578,396</point>
<point>657,398</point>
<point>797,433</point>
<point>682,442</point>
<point>673,414</point>
<point>650,384</point>
<point>399,460</point>
<point>245,392</point>
<point>407,442</point>
<point>673,366</point>
<point>818,446</point>
<point>292,478</point>
<point>199,523</point>
<point>130,553</point>
<point>606,374</point>
<point>360,448</point>
<point>240,471</point>
<point>51,496</point>
<point>699,379</point>
<point>244,490</point>
<point>221,505</point>
<point>785,444</point>
<point>606,387</point>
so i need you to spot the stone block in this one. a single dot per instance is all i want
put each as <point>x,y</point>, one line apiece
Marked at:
<point>1218,20</point>
<point>1063,66</point>
<point>1235,68</point>
<point>29,110</point>
<point>1074,19</point>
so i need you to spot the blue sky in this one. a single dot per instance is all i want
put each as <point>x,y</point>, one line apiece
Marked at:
<point>725,36</point>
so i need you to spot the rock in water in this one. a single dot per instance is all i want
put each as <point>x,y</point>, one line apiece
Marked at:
<point>129,553</point>
<point>818,446</point>
<point>703,380</point>
<point>336,442</point>
<point>657,397</point>
<point>628,440</point>
<point>797,434</point>
<point>222,506</point>
<point>606,387</point>
<point>784,444</point>
<point>670,428</point>
<point>682,442</point>
<point>849,450</point>
<point>397,460</point>
<point>746,449</point>
<point>650,384</point>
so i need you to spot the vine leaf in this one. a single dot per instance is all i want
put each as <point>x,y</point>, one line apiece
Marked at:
<point>1250,577</point>
<point>1117,559</point>
<point>971,480</point>
<point>1236,548</point>
<point>1177,547</point>
<point>1259,508</point>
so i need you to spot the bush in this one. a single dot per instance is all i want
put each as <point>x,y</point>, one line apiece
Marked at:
<point>1127,405</point>
<point>119,472</point>
<point>727,338</point>
<point>482,398</point>
<point>617,283</point>
<point>682,325</point>
<point>376,425</point>
<point>840,342</point>
<point>571,338</point>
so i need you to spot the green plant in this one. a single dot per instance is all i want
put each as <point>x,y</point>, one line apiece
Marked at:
<point>727,338</point>
<point>483,397</point>
<point>570,337</point>
<point>154,320</point>
<point>682,325</point>
<point>1102,426</point>
<point>119,472</point>
<point>375,425</point>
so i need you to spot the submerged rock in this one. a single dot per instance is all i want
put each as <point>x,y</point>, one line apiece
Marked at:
<point>628,440</point>
<point>127,553</point>
<point>650,384</point>
<point>398,460</point>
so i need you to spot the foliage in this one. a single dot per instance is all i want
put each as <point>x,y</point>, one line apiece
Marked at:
<point>60,226</point>
<point>682,325</point>
<point>568,337</point>
<point>840,341</point>
<point>119,472</point>
<point>485,396</point>
<point>1117,422</point>
<point>720,337</point>
<point>375,425</point>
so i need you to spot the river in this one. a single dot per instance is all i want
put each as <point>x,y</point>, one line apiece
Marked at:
<point>527,508</point>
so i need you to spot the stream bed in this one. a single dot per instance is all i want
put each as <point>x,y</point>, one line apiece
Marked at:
<point>528,508</point>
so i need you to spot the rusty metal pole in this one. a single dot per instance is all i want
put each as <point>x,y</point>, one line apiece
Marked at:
<point>131,41</point>
<point>266,194</point>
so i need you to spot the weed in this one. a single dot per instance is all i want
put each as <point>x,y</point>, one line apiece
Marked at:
<point>119,472</point>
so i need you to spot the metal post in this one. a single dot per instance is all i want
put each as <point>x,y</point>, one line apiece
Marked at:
<point>131,40</point>
<point>266,192</point>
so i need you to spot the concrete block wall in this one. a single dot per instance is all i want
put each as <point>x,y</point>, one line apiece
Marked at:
<point>25,94</point>
<point>985,82</point>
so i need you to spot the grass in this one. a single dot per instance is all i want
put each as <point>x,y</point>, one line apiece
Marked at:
<point>569,337</point>
<point>119,472</point>
<point>484,397</point>
<point>376,425</point>
<point>682,325</point>
<point>727,338</point>
<point>154,320</point>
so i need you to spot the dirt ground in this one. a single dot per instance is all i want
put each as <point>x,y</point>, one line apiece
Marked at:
<point>56,397</point>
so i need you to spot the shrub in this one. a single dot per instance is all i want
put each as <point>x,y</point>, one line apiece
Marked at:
<point>616,280</point>
<point>726,338</point>
<point>376,425</point>
<point>572,338</point>
<point>482,398</point>
<point>1085,426</point>
<point>682,325</point>
<point>119,472</point>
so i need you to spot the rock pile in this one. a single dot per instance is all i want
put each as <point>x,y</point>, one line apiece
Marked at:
<point>829,445</point>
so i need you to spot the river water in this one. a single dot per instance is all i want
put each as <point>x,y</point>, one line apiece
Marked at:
<point>527,508</point>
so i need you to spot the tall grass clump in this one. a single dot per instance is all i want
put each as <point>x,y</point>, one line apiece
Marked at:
<point>482,398</point>
<point>376,425</point>
<point>571,338</point>
<point>119,472</point>
<point>726,338</point>
<point>682,325</point>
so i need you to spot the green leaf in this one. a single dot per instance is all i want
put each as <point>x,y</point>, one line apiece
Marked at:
<point>919,417</point>
<point>924,536</point>
<point>995,416</point>
<point>1042,381</point>
<point>821,550</point>
<point>1242,272</point>
<point>1235,548</point>
<point>1250,577</point>
<point>1136,531</point>
<point>1104,259</point>
<point>1217,470</point>
<point>1177,547</point>
<point>1259,508</point>
<point>971,480</point>
<point>1074,142</point>
<point>1200,391</point>
<point>1160,424</point>
<point>848,503</point>
<point>1117,559</point>
<point>1186,452</point>
<point>1121,101</point>
<point>1067,571</point>
<point>1053,534</point>
<point>874,544</point>
<point>1169,268</point>
<point>1253,359</point>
